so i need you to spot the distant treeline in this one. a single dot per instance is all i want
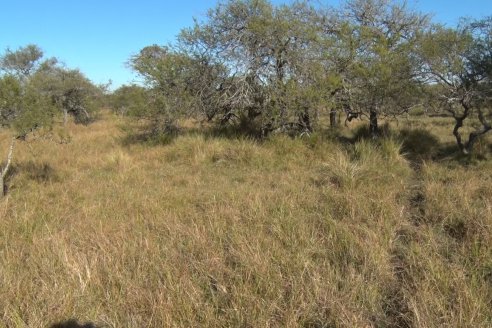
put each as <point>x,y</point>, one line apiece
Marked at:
<point>269,67</point>
<point>250,64</point>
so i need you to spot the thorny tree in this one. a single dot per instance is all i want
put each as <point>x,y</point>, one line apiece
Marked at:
<point>458,65</point>
<point>33,92</point>
<point>267,52</point>
<point>22,108</point>
<point>376,57</point>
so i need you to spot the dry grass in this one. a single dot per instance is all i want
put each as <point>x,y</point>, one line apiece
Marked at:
<point>216,232</point>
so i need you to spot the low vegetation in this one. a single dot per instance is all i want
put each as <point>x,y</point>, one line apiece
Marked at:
<point>208,230</point>
<point>224,192</point>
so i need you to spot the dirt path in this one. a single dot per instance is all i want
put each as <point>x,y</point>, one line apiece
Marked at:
<point>398,309</point>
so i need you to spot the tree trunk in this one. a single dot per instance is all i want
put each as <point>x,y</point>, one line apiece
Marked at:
<point>458,125</point>
<point>457,134</point>
<point>474,136</point>
<point>65,117</point>
<point>5,169</point>
<point>373,123</point>
<point>333,118</point>
<point>305,120</point>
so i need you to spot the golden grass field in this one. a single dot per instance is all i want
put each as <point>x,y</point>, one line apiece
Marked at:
<point>231,232</point>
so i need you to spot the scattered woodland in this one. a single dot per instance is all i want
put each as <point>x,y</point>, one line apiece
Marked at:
<point>292,165</point>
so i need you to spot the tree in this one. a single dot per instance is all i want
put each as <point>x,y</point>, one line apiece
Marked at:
<point>22,62</point>
<point>129,99</point>
<point>32,92</point>
<point>458,65</point>
<point>375,57</point>
<point>269,61</point>
<point>71,92</point>
<point>178,86</point>
<point>23,109</point>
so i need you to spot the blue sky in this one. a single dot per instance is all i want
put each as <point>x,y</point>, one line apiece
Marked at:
<point>99,36</point>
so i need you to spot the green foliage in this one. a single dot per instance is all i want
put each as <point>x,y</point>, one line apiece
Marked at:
<point>22,62</point>
<point>280,68</point>
<point>22,106</point>
<point>70,91</point>
<point>179,85</point>
<point>10,95</point>
<point>35,111</point>
<point>459,64</point>
<point>129,100</point>
<point>34,92</point>
<point>417,111</point>
<point>378,40</point>
<point>247,60</point>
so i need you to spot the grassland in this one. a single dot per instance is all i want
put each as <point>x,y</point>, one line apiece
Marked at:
<point>209,231</point>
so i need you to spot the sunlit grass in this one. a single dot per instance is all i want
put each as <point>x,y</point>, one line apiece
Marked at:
<point>209,231</point>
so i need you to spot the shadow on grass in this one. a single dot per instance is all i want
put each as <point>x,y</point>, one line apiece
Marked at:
<point>72,323</point>
<point>38,172</point>
<point>450,154</point>
<point>145,135</point>
<point>234,132</point>
<point>362,132</point>
<point>147,138</point>
<point>419,145</point>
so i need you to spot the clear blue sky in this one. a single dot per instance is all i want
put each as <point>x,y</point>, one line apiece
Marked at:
<point>98,36</point>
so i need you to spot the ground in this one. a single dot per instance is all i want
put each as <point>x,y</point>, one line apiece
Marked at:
<point>213,231</point>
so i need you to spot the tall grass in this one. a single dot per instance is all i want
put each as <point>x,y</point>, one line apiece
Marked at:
<point>217,232</point>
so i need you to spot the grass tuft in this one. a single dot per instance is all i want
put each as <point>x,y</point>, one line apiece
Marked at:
<point>220,231</point>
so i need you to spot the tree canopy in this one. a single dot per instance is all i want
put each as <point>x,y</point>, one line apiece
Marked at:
<point>285,67</point>
<point>458,62</point>
<point>34,92</point>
